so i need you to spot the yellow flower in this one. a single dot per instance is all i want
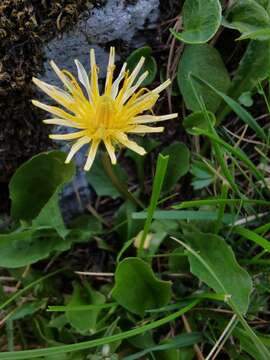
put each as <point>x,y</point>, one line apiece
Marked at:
<point>106,117</point>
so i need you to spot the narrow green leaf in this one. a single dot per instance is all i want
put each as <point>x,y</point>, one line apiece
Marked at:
<point>243,114</point>
<point>19,293</point>
<point>161,168</point>
<point>252,236</point>
<point>177,342</point>
<point>54,350</point>
<point>237,152</point>
<point>186,215</point>
<point>211,202</point>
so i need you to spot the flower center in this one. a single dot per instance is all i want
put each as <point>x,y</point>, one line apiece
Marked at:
<point>105,112</point>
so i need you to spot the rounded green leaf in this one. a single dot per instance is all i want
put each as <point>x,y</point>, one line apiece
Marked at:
<point>205,62</point>
<point>216,265</point>
<point>253,68</point>
<point>198,120</point>
<point>178,261</point>
<point>246,99</point>
<point>248,17</point>
<point>23,248</point>
<point>201,19</point>
<point>149,65</point>
<point>84,320</point>
<point>36,181</point>
<point>178,164</point>
<point>137,288</point>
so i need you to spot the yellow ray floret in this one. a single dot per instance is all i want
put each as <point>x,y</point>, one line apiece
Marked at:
<point>106,117</point>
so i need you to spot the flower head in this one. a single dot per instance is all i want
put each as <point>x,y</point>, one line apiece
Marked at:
<point>106,117</point>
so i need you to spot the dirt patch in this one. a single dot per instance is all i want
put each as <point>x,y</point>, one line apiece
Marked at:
<point>24,28</point>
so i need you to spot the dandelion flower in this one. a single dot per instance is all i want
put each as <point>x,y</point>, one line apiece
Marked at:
<point>106,117</point>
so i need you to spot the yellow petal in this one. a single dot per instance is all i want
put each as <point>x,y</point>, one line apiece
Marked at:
<point>116,83</point>
<point>94,76</point>
<point>162,86</point>
<point>61,75</point>
<point>110,71</point>
<point>110,149</point>
<point>136,71</point>
<point>135,87</point>
<point>56,121</point>
<point>53,110</point>
<point>91,154</point>
<point>146,119</point>
<point>53,91</point>
<point>123,139</point>
<point>76,147</point>
<point>84,78</point>
<point>130,110</point>
<point>69,136</point>
<point>141,129</point>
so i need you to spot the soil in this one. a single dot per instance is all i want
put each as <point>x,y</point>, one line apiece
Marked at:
<point>25,25</point>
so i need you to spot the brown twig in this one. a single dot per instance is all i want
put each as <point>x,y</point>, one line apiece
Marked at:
<point>189,330</point>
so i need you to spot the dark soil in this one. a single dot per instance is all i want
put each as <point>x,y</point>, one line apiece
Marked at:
<point>25,25</point>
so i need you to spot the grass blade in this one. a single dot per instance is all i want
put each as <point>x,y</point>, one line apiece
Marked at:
<point>242,113</point>
<point>252,236</point>
<point>31,354</point>
<point>161,168</point>
<point>212,202</point>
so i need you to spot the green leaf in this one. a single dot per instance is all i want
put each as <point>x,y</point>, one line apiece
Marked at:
<point>201,19</point>
<point>178,164</point>
<point>149,65</point>
<point>148,144</point>
<point>101,182</point>
<point>252,236</point>
<point>215,264</point>
<point>202,175</point>
<point>237,152</point>
<point>186,353</point>
<point>54,350</point>
<point>180,341</point>
<point>127,228</point>
<point>178,261</point>
<point>262,34</point>
<point>28,309</point>
<point>199,215</point>
<point>247,345</point>
<point>83,228</point>
<point>50,216</point>
<point>198,120</point>
<point>243,114</point>
<point>29,246</point>
<point>137,288</point>
<point>205,62</point>
<point>36,181</point>
<point>160,173</point>
<point>247,16</point>
<point>84,321</point>
<point>246,99</point>
<point>253,68</point>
